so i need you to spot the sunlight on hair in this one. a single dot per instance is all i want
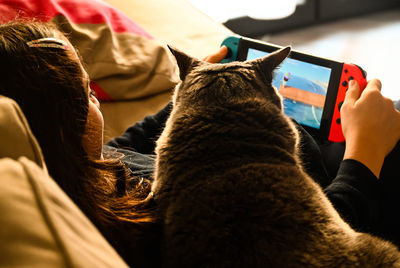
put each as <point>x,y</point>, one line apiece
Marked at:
<point>223,10</point>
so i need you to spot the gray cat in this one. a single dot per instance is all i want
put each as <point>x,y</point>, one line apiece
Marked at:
<point>229,185</point>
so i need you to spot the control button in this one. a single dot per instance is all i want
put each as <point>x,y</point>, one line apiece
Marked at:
<point>338,121</point>
<point>345,71</point>
<point>344,83</point>
<point>340,105</point>
<point>351,78</point>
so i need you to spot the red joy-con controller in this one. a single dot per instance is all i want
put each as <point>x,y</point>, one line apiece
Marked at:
<point>349,72</point>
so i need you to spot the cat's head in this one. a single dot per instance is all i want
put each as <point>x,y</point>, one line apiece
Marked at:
<point>206,83</point>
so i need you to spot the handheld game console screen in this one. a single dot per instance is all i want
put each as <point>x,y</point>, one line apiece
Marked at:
<point>303,87</point>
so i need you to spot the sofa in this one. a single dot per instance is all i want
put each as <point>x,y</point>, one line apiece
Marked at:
<point>40,225</point>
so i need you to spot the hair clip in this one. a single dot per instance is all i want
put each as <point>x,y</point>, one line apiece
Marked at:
<point>48,42</point>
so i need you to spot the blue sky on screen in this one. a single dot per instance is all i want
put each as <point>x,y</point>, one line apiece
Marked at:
<point>307,70</point>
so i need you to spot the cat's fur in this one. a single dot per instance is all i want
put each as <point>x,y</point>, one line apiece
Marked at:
<point>230,188</point>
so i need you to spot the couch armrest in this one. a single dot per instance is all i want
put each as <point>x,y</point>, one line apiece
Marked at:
<point>177,23</point>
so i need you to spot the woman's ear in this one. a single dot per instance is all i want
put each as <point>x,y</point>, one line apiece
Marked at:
<point>185,62</point>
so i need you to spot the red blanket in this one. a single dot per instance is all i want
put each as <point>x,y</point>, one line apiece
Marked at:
<point>76,11</point>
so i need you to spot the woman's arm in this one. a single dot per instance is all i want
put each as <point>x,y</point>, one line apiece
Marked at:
<point>371,125</point>
<point>141,137</point>
<point>354,194</point>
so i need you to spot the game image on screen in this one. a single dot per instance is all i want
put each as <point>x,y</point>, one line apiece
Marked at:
<point>303,87</point>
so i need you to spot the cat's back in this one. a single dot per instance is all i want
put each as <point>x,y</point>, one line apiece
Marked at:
<point>257,215</point>
<point>230,189</point>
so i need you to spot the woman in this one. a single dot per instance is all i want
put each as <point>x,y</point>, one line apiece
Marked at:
<point>42,72</point>
<point>40,69</point>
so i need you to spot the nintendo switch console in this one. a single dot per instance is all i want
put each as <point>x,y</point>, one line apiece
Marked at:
<point>313,88</point>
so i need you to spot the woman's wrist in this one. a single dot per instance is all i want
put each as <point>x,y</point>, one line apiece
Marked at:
<point>366,153</point>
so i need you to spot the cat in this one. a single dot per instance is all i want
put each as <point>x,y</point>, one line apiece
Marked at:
<point>229,186</point>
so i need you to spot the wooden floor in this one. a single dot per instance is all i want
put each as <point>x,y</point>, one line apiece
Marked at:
<point>371,41</point>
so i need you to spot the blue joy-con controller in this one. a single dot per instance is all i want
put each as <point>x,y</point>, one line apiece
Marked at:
<point>232,43</point>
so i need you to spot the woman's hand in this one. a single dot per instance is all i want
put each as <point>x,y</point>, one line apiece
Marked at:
<point>371,125</point>
<point>217,57</point>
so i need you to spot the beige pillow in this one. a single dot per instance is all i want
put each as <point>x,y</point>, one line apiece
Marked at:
<point>15,135</point>
<point>40,226</point>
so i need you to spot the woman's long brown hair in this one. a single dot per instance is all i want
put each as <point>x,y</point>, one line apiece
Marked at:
<point>48,85</point>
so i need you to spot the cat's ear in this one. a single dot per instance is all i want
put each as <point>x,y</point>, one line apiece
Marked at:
<point>272,61</point>
<point>185,62</point>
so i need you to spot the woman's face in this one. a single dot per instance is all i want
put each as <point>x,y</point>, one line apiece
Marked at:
<point>93,135</point>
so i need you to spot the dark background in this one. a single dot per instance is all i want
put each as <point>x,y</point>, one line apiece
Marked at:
<point>311,13</point>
